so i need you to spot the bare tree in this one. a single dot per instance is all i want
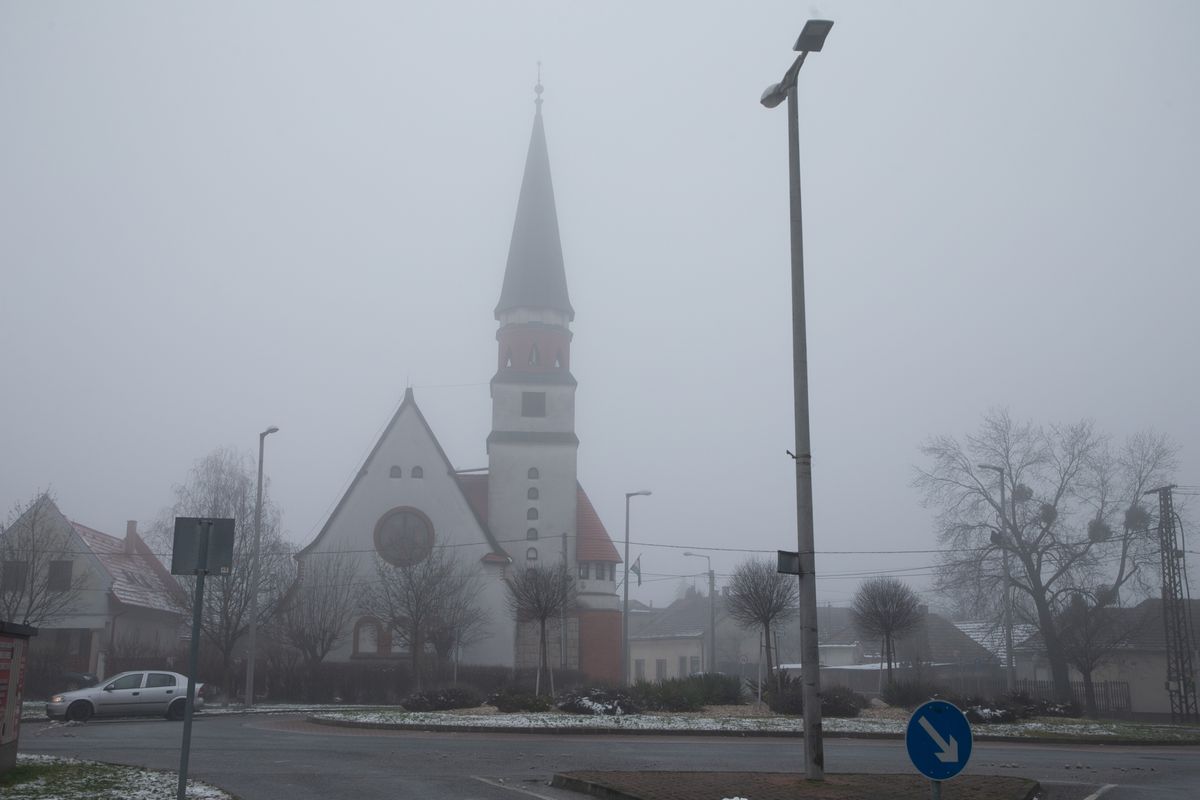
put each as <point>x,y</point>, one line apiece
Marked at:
<point>539,594</point>
<point>761,597</point>
<point>1065,494</point>
<point>222,485</point>
<point>414,599</point>
<point>462,620</point>
<point>1091,630</point>
<point>886,609</point>
<point>317,609</point>
<point>41,578</point>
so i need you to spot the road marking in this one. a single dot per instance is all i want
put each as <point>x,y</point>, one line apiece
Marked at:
<point>1097,794</point>
<point>949,749</point>
<point>500,785</point>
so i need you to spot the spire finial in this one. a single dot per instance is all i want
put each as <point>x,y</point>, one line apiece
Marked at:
<point>538,89</point>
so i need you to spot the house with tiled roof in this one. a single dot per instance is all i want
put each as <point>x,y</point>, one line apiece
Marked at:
<point>527,506</point>
<point>119,598</point>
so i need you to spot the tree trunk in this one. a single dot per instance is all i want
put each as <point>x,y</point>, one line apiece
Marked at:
<point>1089,695</point>
<point>772,671</point>
<point>417,647</point>
<point>542,660</point>
<point>1059,671</point>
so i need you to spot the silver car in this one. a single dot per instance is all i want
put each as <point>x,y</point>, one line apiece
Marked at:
<point>145,692</point>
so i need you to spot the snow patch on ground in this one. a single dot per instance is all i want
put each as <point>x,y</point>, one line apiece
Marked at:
<point>121,783</point>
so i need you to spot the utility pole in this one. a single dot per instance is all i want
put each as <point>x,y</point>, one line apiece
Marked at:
<point>1181,675</point>
<point>562,613</point>
<point>1002,541</point>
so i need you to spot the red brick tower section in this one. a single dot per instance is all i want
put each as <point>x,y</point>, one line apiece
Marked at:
<point>599,617</point>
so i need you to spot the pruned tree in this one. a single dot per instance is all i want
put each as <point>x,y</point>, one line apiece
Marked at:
<point>538,594</point>
<point>415,598</point>
<point>886,609</point>
<point>42,579</point>
<point>462,619</point>
<point>761,597</point>
<point>317,609</point>
<point>1091,629</point>
<point>222,485</point>
<point>1067,519</point>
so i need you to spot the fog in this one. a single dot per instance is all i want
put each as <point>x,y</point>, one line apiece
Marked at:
<point>218,218</point>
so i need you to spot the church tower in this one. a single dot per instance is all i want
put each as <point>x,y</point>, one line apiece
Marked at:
<point>532,495</point>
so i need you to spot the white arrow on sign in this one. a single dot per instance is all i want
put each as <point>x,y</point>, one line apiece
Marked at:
<point>949,749</point>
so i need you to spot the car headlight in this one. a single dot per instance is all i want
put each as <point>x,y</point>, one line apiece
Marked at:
<point>56,699</point>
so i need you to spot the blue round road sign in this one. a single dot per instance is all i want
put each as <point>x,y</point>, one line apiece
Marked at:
<point>938,740</point>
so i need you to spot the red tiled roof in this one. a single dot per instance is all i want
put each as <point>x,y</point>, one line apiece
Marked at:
<point>138,578</point>
<point>475,488</point>
<point>593,542</point>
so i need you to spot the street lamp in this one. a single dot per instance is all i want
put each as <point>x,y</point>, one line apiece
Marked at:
<point>1001,541</point>
<point>712,613</point>
<point>625,604</point>
<point>262,438</point>
<point>811,40</point>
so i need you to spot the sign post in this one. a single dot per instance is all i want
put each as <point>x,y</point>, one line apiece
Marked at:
<point>201,546</point>
<point>939,742</point>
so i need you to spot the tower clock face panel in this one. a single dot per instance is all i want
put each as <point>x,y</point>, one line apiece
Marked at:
<point>404,537</point>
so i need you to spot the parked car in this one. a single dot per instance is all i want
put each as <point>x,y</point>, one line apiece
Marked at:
<point>144,692</point>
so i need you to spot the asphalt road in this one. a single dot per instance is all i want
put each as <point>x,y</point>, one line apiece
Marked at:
<point>281,757</point>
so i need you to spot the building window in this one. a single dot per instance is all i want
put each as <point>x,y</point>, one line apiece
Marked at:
<point>533,404</point>
<point>531,533</point>
<point>531,554</point>
<point>403,537</point>
<point>531,514</point>
<point>366,637</point>
<point>683,666</point>
<point>417,472</point>
<point>59,577</point>
<point>660,669</point>
<point>396,472</point>
<point>696,664</point>
<point>534,357</point>
<point>508,359</point>
<point>533,473</point>
<point>12,576</point>
<point>532,494</point>
<point>583,571</point>
<point>558,360</point>
<point>639,669</point>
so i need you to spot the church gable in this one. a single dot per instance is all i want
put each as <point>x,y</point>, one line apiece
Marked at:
<point>408,474</point>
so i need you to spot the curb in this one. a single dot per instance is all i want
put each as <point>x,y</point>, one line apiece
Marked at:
<point>597,731</point>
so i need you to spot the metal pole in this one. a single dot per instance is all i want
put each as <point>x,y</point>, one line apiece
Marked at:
<point>204,529</point>
<point>712,621</point>
<point>253,625</point>
<point>1010,670</point>
<point>814,750</point>
<point>562,615</point>
<point>625,605</point>
<point>935,790</point>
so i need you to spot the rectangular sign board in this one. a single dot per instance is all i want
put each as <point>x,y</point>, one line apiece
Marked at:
<point>190,533</point>
<point>787,562</point>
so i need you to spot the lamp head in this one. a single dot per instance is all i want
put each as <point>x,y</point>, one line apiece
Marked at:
<point>773,95</point>
<point>640,493</point>
<point>812,37</point>
<point>269,431</point>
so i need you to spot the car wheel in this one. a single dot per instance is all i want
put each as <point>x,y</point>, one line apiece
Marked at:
<point>176,710</point>
<point>79,711</point>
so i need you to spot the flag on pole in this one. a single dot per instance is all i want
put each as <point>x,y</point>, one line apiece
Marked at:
<point>636,569</point>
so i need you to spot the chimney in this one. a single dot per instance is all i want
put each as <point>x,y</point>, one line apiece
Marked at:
<point>131,537</point>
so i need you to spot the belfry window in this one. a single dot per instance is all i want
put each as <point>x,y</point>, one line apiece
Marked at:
<point>558,361</point>
<point>508,359</point>
<point>534,357</point>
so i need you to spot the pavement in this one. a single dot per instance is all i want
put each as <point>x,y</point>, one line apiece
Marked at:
<point>788,786</point>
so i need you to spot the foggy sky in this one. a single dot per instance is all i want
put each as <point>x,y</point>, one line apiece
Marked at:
<point>218,218</point>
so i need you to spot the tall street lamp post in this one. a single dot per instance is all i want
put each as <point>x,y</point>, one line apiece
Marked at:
<point>812,39</point>
<point>1001,541</point>
<point>712,614</point>
<point>625,603</point>
<point>254,558</point>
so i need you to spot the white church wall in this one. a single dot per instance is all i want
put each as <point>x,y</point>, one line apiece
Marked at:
<point>509,504</point>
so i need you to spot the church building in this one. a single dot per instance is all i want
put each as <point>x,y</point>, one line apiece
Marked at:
<point>528,507</point>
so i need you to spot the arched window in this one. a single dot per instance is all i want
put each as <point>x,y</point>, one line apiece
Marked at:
<point>366,637</point>
<point>531,514</point>
<point>531,554</point>
<point>508,359</point>
<point>417,472</point>
<point>396,472</point>
<point>531,533</point>
<point>558,360</point>
<point>533,356</point>
<point>532,494</point>
<point>533,473</point>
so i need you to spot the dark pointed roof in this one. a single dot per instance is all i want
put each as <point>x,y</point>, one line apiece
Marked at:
<point>534,277</point>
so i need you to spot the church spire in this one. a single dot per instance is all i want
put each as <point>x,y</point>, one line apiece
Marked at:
<point>534,277</point>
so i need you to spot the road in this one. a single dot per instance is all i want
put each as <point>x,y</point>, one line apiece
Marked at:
<point>282,757</point>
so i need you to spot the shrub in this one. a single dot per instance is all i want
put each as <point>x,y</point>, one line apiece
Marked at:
<point>841,701</point>
<point>442,699</point>
<point>784,695</point>
<point>673,694</point>
<point>510,701</point>
<point>718,689</point>
<point>607,702</point>
<point>909,694</point>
